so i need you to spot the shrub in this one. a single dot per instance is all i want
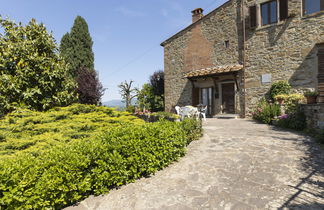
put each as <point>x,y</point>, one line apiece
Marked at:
<point>311,93</point>
<point>291,101</point>
<point>67,173</point>
<point>295,120</point>
<point>30,131</point>
<point>163,115</point>
<point>266,112</point>
<point>280,87</point>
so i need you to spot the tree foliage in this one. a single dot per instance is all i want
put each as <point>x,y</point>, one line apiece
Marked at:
<point>151,96</point>
<point>76,46</point>
<point>147,100</point>
<point>127,92</point>
<point>157,83</point>
<point>89,89</point>
<point>32,74</point>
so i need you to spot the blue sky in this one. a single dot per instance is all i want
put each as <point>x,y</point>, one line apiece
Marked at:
<point>126,33</point>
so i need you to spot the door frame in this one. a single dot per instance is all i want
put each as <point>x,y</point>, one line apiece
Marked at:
<point>221,94</point>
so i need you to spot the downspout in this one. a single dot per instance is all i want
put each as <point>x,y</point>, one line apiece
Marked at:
<point>243,56</point>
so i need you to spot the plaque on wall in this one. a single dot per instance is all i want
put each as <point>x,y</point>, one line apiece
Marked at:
<point>266,78</point>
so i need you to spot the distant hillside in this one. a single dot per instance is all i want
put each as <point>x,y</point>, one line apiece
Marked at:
<point>114,103</point>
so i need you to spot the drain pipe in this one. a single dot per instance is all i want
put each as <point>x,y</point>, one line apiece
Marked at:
<point>243,55</point>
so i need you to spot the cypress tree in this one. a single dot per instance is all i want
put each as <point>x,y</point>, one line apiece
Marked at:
<point>76,46</point>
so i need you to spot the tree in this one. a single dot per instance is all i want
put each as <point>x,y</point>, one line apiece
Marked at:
<point>90,89</point>
<point>127,92</point>
<point>76,46</point>
<point>157,83</point>
<point>151,96</point>
<point>146,99</point>
<point>32,74</point>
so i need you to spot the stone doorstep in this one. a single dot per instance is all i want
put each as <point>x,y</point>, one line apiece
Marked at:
<point>227,116</point>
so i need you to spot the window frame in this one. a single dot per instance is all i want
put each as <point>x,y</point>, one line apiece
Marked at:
<point>268,3</point>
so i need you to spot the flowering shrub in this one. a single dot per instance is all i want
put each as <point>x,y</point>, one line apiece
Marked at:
<point>291,101</point>
<point>266,112</point>
<point>280,87</point>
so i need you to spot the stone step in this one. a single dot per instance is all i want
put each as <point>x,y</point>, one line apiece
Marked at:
<point>227,116</point>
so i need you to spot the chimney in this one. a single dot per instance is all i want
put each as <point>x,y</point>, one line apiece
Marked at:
<point>197,14</point>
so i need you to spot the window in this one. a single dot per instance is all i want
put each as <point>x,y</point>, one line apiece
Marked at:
<point>226,43</point>
<point>312,6</point>
<point>269,13</point>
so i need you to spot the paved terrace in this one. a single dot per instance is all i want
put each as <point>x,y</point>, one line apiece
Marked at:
<point>238,164</point>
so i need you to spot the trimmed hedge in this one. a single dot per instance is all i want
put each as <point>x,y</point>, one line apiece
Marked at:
<point>67,173</point>
<point>30,131</point>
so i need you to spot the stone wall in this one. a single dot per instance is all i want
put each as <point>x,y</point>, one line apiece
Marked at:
<point>201,45</point>
<point>314,115</point>
<point>285,50</point>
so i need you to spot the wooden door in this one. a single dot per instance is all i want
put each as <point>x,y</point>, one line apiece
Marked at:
<point>228,98</point>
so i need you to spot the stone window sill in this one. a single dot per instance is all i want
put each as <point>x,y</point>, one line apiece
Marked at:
<point>269,25</point>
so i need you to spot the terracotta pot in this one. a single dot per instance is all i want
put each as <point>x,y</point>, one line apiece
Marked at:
<point>280,101</point>
<point>311,99</point>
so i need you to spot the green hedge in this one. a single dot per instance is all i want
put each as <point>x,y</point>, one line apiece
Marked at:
<point>67,173</point>
<point>26,131</point>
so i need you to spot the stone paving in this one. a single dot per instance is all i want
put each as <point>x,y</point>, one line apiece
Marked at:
<point>238,164</point>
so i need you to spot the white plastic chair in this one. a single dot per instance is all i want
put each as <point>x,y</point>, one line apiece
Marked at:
<point>203,112</point>
<point>178,110</point>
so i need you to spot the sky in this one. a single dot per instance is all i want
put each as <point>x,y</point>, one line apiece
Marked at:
<point>126,34</point>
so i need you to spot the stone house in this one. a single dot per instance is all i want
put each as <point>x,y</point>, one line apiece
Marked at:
<point>229,64</point>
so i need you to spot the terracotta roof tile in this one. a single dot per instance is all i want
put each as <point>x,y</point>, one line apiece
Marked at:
<point>213,70</point>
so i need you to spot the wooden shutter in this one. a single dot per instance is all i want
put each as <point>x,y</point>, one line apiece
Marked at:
<point>283,9</point>
<point>322,4</point>
<point>195,96</point>
<point>321,74</point>
<point>253,16</point>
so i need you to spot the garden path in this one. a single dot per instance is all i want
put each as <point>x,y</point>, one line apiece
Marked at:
<point>238,164</point>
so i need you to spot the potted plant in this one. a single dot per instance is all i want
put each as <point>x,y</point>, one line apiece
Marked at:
<point>311,97</point>
<point>281,98</point>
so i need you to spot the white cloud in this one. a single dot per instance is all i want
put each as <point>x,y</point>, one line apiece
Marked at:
<point>130,13</point>
<point>164,12</point>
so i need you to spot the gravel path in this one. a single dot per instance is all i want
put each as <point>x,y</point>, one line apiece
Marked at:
<point>238,164</point>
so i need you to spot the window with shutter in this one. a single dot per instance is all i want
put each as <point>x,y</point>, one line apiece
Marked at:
<point>312,6</point>
<point>321,74</point>
<point>253,16</point>
<point>283,11</point>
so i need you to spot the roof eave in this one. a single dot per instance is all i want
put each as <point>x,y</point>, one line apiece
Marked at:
<point>193,24</point>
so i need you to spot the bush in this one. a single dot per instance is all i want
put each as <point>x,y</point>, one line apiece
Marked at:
<point>69,172</point>
<point>266,112</point>
<point>295,120</point>
<point>280,87</point>
<point>30,131</point>
<point>165,115</point>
